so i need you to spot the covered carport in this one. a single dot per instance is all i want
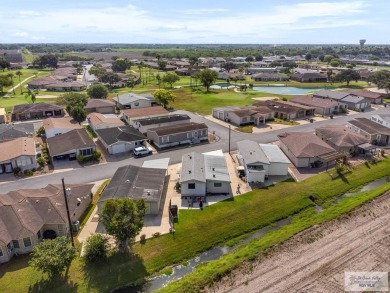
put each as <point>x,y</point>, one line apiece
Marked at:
<point>330,157</point>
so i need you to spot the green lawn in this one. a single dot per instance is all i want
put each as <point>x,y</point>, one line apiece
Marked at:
<point>199,230</point>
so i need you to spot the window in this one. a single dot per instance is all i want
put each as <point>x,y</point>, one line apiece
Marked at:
<point>191,185</point>
<point>86,152</point>
<point>136,104</point>
<point>27,242</point>
<point>1,252</point>
<point>164,139</point>
<point>217,184</point>
<point>39,234</point>
<point>16,243</point>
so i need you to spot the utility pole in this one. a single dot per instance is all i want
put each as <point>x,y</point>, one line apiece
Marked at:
<point>67,192</point>
<point>229,137</point>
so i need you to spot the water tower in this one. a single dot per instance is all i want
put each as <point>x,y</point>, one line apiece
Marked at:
<point>362,42</point>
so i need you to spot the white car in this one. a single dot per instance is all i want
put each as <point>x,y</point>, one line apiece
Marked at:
<point>142,151</point>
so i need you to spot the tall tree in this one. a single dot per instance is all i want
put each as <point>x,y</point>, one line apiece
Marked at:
<point>170,78</point>
<point>97,91</point>
<point>229,66</point>
<point>207,77</point>
<point>78,113</point>
<point>123,219</point>
<point>308,57</point>
<point>164,97</point>
<point>4,64</point>
<point>52,256</point>
<point>119,65</point>
<point>348,75</point>
<point>11,76</point>
<point>48,60</point>
<point>4,81</point>
<point>259,57</point>
<point>110,78</point>
<point>71,100</point>
<point>19,74</point>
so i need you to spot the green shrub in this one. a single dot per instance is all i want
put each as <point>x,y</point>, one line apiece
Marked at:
<point>40,131</point>
<point>17,170</point>
<point>28,172</point>
<point>96,155</point>
<point>96,247</point>
<point>81,159</point>
<point>41,161</point>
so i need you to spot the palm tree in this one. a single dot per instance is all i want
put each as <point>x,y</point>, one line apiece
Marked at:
<point>11,76</point>
<point>19,73</point>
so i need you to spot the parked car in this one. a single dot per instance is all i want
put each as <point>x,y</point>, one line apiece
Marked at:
<point>142,151</point>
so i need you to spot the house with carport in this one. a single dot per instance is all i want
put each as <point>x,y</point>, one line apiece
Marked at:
<point>204,175</point>
<point>70,145</point>
<point>173,135</point>
<point>376,133</point>
<point>17,153</point>
<point>305,149</point>
<point>120,139</point>
<point>102,106</point>
<point>57,126</point>
<point>143,124</point>
<point>322,106</point>
<point>261,160</point>
<point>139,182</point>
<point>27,216</point>
<point>134,101</point>
<point>134,114</point>
<point>100,121</point>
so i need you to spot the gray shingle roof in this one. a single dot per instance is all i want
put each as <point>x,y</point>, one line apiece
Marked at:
<point>12,131</point>
<point>335,95</point>
<point>369,126</point>
<point>96,103</point>
<point>36,107</point>
<point>132,97</point>
<point>74,139</point>
<point>340,136</point>
<point>122,133</point>
<point>135,182</point>
<point>184,127</point>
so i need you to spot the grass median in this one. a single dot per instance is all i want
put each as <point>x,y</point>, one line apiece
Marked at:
<point>199,230</point>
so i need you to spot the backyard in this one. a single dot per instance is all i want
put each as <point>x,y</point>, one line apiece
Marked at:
<point>199,230</point>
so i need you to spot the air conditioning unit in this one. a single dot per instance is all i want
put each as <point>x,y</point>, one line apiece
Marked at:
<point>76,226</point>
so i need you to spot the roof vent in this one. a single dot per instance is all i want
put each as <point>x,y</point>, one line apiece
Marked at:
<point>213,169</point>
<point>127,181</point>
<point>213,175</point>
<point>189,171</point>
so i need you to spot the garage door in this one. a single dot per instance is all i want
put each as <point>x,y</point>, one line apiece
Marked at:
<point>118,148</point>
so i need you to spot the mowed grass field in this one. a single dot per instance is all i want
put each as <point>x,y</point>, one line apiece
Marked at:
<point>199,230</point>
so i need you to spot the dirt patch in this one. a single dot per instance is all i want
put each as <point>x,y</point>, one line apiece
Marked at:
<point>316,259</point>
<point>265,98</point>
<point>47,97</point>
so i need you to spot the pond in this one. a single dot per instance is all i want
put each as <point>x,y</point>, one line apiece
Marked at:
<point>285,90</point>
<point>219,86</point>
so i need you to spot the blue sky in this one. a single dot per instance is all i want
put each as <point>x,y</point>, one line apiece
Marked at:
<point>200,21</point>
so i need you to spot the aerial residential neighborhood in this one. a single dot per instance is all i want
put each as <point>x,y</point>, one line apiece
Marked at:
<point>214,149</point>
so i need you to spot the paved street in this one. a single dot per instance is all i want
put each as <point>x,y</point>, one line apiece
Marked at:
<point>98,172</point>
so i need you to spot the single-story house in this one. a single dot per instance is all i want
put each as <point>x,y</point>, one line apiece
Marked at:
<point>100,106</point>
<point>322,106</point>
<point>133,101</point>
<point>132,114</point>
<point>172,135</point>
<point>57,83</point>
<point>56,126</point>
<point>19,152</point>
<point>373,97</point>
<point>3,116</point>
<point>254,70</point>
<point>383,119</point>
<point>357,103</point>
<point>36,111</point>
<point>137,183</point>
<point>341,139</point>
<point>305,149</point>
<point>270,77</point>
<point>244,115</point>
<point>120,139</point>
<point>204,174</point>
<point>71,144</point>
<point>287,110</point>
<point>101,121</point>
<point>309,77</point>
<point>143,124</point>
<point>183,71</point>
<point>27,214</point>
<point>261,161</point>
<point>12,131</point>
<point>376,133</point>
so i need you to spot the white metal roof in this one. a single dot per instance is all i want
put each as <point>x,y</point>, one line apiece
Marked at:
<point>274,154</point>
<point>157,164</point>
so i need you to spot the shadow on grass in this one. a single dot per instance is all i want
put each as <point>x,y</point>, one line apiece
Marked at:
<point>58,284</point>
<point>117,271</point>
<point>15,264</point>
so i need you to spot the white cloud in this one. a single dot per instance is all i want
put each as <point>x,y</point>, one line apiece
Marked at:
<point>132,24</point>
<point>204,11</point>
<point>20,34</point>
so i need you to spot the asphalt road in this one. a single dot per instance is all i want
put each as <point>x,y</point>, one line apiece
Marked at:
<point>98,172</point>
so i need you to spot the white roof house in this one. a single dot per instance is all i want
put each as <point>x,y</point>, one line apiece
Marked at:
<point>204,174</point>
